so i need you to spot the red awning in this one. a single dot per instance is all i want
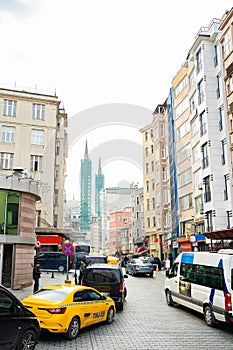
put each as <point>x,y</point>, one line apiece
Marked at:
<point>49,240</point>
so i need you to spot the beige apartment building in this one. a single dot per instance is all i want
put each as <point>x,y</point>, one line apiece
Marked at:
<point>227,55</point>
<point>183,157</point>
<point>157,218</point>
<point>34,140</point>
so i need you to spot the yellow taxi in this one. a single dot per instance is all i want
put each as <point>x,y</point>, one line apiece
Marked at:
<point>112,260</point>
<point>67,308</point>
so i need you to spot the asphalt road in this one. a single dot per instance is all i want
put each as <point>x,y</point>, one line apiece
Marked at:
<point>145,323</point>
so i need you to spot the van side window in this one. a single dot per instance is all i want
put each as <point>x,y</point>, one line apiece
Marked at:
<point>208,276</point>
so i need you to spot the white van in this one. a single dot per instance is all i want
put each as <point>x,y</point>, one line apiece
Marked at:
<point>203,281</point>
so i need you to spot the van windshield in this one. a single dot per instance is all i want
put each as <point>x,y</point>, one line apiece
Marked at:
<point>103,275</point>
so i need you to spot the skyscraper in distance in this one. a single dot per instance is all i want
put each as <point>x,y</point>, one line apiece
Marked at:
<point>85,191</point>
<point>99,185</point>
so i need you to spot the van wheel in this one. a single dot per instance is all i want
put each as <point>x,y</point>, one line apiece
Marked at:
<point>61,268</point>
<point>73,329</point>
<point>169,299</point>
<point>110,316</point>
<point>209,316</point>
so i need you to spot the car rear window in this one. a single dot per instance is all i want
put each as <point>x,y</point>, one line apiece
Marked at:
<point>102,275</point>
<point>50,294</point>
<point>98,259</point>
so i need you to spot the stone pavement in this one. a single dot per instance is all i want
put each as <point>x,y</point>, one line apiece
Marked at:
<point>46,279</point>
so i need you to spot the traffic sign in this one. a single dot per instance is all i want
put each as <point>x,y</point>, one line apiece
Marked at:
<point>68,249</point>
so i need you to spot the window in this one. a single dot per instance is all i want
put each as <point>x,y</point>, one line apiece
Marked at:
<point>218,87</point>
<point>226,177</point>
<point>208,276</point>
<point>148,222</point>
<point>146,136</point>
<point>137,200</point>
<point>183,154</point>
<point>180,86</point>
<point>153,203</point>
<point>146,151</point>
<point>163,152</point>
<point>57,148</point>
<point>215,55</point>
<point>147,168</point>
<point>152,148</point>
<point>164,174</point>
<point>147,186</point>
<point>197,180</point>
<point>38,111</point>
<point>196,153</point>
<point>36,163</point>
<point>8,134</point>
<point>162,130</point>
<point>199,205</point>
<point>6,160</point>
<point>185,177</point>
<point>205,158</point>
<point>186,202</point>
<point>191,79</point>
<point>37,137</point>
<point>223,142</point>
<point>198,62</point>
<point>9,213</point>
<point>207,192</point>
<point>147,204</point>
<point>182,130</point>
<point>227,46</point>
<point>9,108</point>
<point>152,166</point>
<point>195,126</point>
<point>56,197</point>
<point>182,107</point>
<point>203,123</point>
<point>209,221</point>
<point>56,171</point>
<point>200,89</point>
<point>154,221</point>
<point>220,119</point>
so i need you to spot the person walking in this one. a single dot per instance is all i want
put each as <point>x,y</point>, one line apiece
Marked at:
<point>81,271</point>
<point>36,276</point>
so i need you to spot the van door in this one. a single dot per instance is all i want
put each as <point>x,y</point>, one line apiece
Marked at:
<point>172,280</point>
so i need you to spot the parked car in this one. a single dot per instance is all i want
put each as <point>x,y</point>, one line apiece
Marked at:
<point>54,261</point>
<point>107,279</point>
<point>92,259</point>
<point>140,266</point>
<point>19,327</point>
<point>67,308</point>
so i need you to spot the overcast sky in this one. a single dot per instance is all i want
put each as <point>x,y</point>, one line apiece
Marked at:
<point>98,52</point>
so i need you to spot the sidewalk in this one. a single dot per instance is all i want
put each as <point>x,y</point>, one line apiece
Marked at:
<point>46,279</point>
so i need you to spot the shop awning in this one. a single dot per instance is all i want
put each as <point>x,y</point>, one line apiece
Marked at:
<point>49,240</point>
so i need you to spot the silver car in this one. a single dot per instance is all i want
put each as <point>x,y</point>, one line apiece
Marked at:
<point>140,266</point>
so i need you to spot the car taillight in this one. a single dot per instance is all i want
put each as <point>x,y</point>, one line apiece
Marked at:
<point>82,283</point>
<point>121,288</point>
<point>228,305</point>
<point>59,310</point>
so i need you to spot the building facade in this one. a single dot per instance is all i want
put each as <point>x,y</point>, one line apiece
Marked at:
<point>34,138</point>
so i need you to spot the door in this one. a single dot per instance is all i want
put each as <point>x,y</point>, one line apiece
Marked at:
<point>7,265</point>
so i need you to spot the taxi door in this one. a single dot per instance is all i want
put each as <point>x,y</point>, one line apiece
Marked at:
<point>86,308</point>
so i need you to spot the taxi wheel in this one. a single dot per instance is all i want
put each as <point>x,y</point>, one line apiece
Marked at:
<point>27,341</point>
<point>73,329</point>
<point>110,315</point>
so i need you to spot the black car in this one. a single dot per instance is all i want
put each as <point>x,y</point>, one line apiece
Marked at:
<point>54,261</point>
<point>95,259</point>
<point>107,279</point>
<point>19,327</point>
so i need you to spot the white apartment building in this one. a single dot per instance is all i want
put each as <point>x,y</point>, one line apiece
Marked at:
<point>210,142</point>
<point>34,138</point>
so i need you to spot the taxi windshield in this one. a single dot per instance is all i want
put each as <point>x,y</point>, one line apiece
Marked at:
<point>50,294</point>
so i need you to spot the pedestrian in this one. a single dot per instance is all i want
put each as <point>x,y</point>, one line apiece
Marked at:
<point>36,276</point>
<point>81,270</point>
